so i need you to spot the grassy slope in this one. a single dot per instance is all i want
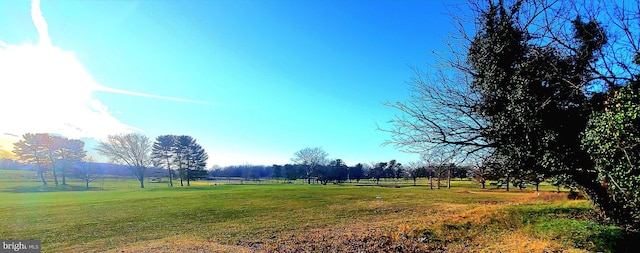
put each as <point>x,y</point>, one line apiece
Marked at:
<point>292,218</point>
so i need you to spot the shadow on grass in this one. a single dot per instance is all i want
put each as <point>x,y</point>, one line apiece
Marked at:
<point>47,188</point>
<point>579,225</point>
<point>616,240</point>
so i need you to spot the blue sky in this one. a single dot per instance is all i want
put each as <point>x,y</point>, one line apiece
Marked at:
<point>252,81</point>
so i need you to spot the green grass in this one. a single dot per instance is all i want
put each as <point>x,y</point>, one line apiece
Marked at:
<point>69,218</point>
<point>571,224</point>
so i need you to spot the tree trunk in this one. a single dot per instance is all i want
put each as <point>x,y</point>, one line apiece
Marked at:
<point>140,176</point>
<point>64,177</point>
<point>188,182</point>
<point>55,177</point>
<point>449,178</point>
<point>414,181</point>
<point>170,178</point>
<point>508,179</point>
<point>431,182</point>
<point>182,184</point>
<point>537,186</point>
<point>41,174</point>
<point>87,183</point>
<point>139,173</point>
<point>483,182</point>
<point>170,174</point>
<point>603,200</point>
<point>53,167</point>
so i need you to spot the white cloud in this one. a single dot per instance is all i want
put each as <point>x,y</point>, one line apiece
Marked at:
<point>140,94</point>
<point>46,89</point>
<point>40,23</point>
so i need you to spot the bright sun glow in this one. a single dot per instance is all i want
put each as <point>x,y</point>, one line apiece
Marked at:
<point>46,89</point>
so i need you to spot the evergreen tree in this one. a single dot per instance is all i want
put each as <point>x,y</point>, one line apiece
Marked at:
<point>190,159</point>
<point>164,152</point>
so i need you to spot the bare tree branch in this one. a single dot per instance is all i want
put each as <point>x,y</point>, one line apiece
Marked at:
<point>133,150</point>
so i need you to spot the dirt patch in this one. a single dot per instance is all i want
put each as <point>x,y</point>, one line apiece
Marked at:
<point>476,216</point>
<point>175,244</point>
<point>542,196</point>
<point>355,238</point>
<point>491,202</point>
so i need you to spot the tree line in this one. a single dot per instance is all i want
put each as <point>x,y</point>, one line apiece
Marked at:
<point>313,166</point>
<point>60,156</point>
<point>336,171</point>
<point>180,157</point>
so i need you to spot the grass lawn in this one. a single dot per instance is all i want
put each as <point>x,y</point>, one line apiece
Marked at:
<point>115,215</point>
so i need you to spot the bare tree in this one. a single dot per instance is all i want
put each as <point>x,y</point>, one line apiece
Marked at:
<point>441,163</point>
<point>87,170</point>
<point>66,152</point>
<point>51,144</point>
<point>439,117</point>
<point>133,150</point>
<point>310,158</point>
<point>551,23</point>
<point>31,150</point>
<point>48,152</point>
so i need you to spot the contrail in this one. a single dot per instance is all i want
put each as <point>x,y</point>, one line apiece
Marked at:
<point>40,23</point>
<point>140,94</point>
<point>45,40</point>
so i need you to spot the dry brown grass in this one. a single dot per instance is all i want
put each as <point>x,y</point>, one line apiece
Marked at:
<point>443,228</point>
<point>446,227</point>
<point>480,226</point>
<point>516,241</point>
<point>534,197</point>
<point>180,244</point>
